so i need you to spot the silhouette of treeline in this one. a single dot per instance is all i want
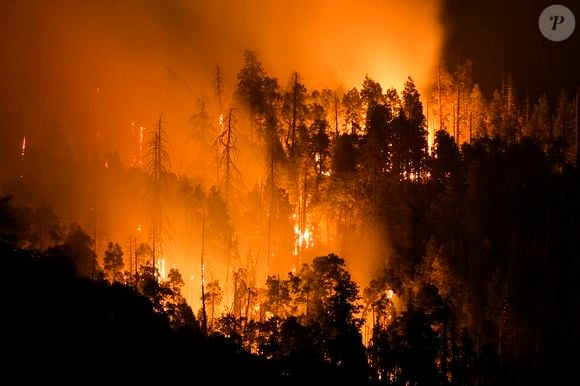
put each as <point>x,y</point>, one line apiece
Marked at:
<point>478,285</point>
<point>457,104</point>
<point>491,298</point>
<point>61,326</point>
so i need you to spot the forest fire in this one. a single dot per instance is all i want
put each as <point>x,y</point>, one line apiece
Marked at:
<point>338,206</point>
<point>303,236</point>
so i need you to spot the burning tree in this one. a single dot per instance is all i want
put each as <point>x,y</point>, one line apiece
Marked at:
<point>158,168</point>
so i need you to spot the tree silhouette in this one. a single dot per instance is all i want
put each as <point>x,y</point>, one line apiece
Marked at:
<point>353,106</point>
<point>250,91</point>
<point>213,298</point>
<point>227,157</point>
<point>78,248</point>
<point>174,305</point>
<point>158,163</point>
<point>294,110</point>
<point>410,143</point>
<point>113,261</point>
<point>143,255</point>
<point>218,83</point>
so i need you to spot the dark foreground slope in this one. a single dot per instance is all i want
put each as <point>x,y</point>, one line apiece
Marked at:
<point>64,328</point>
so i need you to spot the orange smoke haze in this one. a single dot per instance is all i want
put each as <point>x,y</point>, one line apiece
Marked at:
<point>150,57</point>
<point>102,69</point>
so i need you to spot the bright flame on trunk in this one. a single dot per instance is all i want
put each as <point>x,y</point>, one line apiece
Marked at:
<point>303,237</point>
<point>141,130</point>
<point>137,159</point>
<point>22,153</point>
<point>161,265</point>
<point>23,148</point>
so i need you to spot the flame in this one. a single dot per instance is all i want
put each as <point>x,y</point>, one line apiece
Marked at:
<point>23,148</point>
<point>161,267</point>
<point>22,153</point>
<point>137,159</point>
<point>303,237</point>
<point>141,130</point>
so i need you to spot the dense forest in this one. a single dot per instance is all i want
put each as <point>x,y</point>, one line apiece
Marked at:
<point>467,203</point>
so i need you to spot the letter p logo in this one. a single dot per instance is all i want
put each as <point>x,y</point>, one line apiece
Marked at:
<point>557,20</point>
<point>556,23</point>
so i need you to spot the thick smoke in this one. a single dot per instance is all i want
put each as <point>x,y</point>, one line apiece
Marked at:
<point>82,76</point>
<point>111,62</point>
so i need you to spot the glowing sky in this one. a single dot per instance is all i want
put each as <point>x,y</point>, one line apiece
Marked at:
<point>104,64</point>
<point>109,67</point>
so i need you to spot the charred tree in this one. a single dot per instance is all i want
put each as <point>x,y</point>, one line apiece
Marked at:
<point>158,169</point>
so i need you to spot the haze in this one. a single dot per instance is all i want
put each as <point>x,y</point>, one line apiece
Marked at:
<point>82,76</point>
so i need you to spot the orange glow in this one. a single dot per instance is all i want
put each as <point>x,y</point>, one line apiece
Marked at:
<point>23,148</point>
<point>304,239</point>
<point>22,153</point>
<point>141,131</point>
<point>127,63</point>
<point>137,158</point>
<point>161,268</point>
